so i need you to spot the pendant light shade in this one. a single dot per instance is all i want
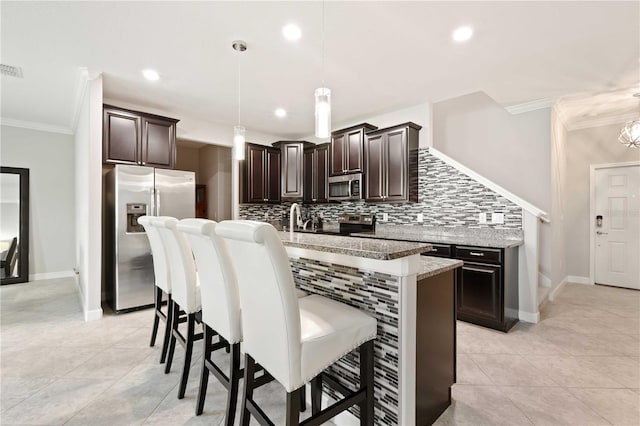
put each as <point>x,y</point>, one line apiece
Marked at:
<point>630,134</point>
<point>238,142</point>
<point>323,112</point>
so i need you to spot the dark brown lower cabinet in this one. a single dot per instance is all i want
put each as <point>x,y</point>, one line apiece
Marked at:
<point>435,346</point>
<point>486,285</point>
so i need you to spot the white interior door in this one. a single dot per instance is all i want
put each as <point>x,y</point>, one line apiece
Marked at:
<point>617,236</point>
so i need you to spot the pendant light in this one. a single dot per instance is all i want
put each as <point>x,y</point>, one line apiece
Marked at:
<point>238,130</point>
<point>630,133</point>
<point>323,99</point>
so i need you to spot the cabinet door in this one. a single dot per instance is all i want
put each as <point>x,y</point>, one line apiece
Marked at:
<point>272,176</point>
<point>479,296</point>
<point>158,143</point>
<point>321,174</point>
<point>121,136</point>
<point>353,154</point>
<point>373,168</point>
<point>255,174</point>
<point>395,167</point>
<point>309,175</point>
<point>292,161</point>
<point>338,149</point>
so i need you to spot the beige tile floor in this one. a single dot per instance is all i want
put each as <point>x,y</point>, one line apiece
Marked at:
<point>579,366</point>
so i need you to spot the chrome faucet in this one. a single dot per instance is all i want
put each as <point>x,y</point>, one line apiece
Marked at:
<point>294,207</point>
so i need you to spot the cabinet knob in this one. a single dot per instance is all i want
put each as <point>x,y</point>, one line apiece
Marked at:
<point>314,199</point>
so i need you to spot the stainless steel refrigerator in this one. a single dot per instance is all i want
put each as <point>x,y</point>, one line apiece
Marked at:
<point>131,192</point>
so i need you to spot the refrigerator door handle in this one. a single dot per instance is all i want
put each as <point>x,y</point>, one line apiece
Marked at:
<point>157,201</point>
<point>151,211</point>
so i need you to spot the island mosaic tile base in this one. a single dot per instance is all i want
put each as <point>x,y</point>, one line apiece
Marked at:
<point>378,295</point>
<point>446,197</point>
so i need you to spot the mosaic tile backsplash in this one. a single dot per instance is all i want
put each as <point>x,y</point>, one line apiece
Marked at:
<point>378,295</point>
<point>446,198</point>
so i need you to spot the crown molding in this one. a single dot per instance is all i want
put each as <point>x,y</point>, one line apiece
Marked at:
<point>530,106</point>
<point>599,122</point>
<point>32,125</point>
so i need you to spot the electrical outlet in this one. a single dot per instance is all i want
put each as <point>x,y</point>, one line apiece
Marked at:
<point>420,217</point>
<point>482,218</point>
<point>497,218</point>
<point>385,217</point>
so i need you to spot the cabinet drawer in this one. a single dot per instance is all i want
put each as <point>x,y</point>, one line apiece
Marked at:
<point>442,250</point>
<point>475,254</point>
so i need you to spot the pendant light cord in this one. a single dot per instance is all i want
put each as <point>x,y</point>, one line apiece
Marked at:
<point>238,54</point>
<point>323,43</point>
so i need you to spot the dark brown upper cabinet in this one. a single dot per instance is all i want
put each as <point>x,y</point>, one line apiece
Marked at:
<point>346,149</point>
<point>132,137</point>
<point>391,164</point>
<point>316,172</point>
<point>260,175</point>
<point>292,171</point>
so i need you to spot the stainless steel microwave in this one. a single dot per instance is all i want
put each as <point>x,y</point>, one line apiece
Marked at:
<point>346,187</point>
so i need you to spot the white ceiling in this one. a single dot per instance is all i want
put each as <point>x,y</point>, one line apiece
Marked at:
<point>379,56</point>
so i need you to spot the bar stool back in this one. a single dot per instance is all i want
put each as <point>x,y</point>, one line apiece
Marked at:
<point>162,283</point>
<point>185,292</point>
<point>293,339</point>
<point>220,307</point>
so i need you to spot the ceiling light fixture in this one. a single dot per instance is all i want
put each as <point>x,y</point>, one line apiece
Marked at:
<point>150,74</point>
<point>291,32</point>
<point>462,34</point>
<point>238,130</point>
<point>280,112</point>
<point>630,133</point>
<point>323,99</point>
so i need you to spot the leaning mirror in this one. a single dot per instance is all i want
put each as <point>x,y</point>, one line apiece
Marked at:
<point>14,225</point>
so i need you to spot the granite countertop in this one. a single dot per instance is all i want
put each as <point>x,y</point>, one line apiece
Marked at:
<point>430,266</point>
<point>481,237</point>
<point>358,247</point>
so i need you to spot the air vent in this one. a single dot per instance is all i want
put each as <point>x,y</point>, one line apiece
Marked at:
<point>11,71</point>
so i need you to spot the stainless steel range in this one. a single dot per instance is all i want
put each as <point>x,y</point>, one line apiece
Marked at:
<point>356,222</point>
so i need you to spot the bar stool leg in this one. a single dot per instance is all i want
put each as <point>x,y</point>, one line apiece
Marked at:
<point>172,344</point>
<point>204,374</point>
<point>293,407</point>
<point>316,394</point>
<point>234,381</point>
<point>191,323</point>
<point>249,374</point>
<point>366,381</point>
<point>156,317</point>
<point>167,330</point>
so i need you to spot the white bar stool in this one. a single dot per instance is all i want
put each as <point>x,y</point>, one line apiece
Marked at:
<point>293,339</point>
<point>162,283</point>
<point>185,293</point>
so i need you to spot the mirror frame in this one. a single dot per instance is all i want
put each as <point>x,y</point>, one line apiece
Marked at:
<point>23,237</point>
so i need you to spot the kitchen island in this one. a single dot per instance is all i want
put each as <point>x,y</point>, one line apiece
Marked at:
<point>412,297</point>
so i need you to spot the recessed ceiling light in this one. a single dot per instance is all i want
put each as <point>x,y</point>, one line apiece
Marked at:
<point>281,112</point>
<point>291,32</point>
<point>151,74</point>
<point>462,34</point>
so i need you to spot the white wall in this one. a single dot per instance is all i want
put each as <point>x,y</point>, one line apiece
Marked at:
<point>596,145</point>
<point>88,192</point>
<point>511,150</point>
<point>558,243</point>
<point>50,160</point>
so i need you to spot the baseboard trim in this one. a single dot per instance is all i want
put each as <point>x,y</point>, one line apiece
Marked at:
<point>51,275</point>
<point>532,317</point>
<point>552,294</point>
<point>575,279</point>
<point>543,280</point>
<point>92,315</point>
